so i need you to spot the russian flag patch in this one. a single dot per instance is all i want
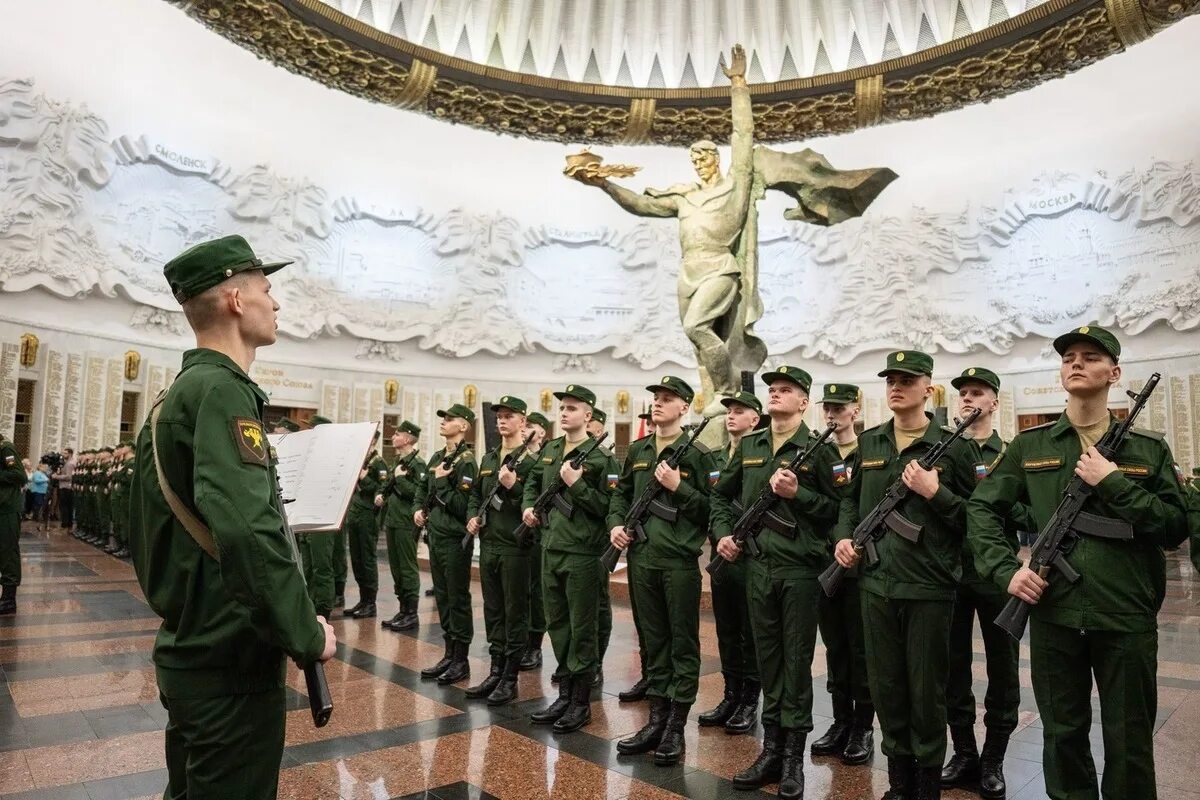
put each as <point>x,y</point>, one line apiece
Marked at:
<point>840,475</point>
<point>980,472</point>
<point>465,486</point>
<point>713,477</point>
<point>612,481</point>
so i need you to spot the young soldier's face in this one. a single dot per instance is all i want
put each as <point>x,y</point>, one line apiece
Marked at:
<point>786,398</point>
<point>840,414</point>
<point>595,427</point>
<point>452,426</point>
<point>740,419</point>
<point>668,408</point>
<point>401,440</point>
<point>975,395</point>
<point>1086,369</point>
<point>539,431</point>
<point>509,422</point>
<point>573,415</point>
<point>907,392</point>
<point>259,318</point>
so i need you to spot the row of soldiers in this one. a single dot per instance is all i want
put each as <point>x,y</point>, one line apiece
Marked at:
<point>100,484</point>
<point>897,634</point>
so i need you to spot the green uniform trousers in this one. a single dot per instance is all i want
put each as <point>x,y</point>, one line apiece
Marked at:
<point>10,548</point>
<point>537,609</point>
<point>572,608</point>
<point>1063,661</point>
<point>841,624</point>
<point>668,605</point>
<point>224,747</point>
<point>908,657</point>
<point>504,580</point>
<point>364,547</point>
<point>735,638</point>
<point>783,612</point>
<point>105,514</point>
<point>339,559</point>
<point>119,518</point>
<point>1001,651</point>
<point>402,559</point>
<point>450,566</point>
<point>603,618</point>
<point>316,555</point>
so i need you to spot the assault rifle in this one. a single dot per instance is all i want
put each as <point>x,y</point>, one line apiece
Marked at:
<point>320,701</point>
<point>1061,531</point>
<point>885,516</point>
<point>650,503</point>
<point>492,501</point>
<point>431,499</point>
<point>761,512</point>
<point>552,495</point>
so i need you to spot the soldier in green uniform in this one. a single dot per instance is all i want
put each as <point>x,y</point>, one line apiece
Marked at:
<point>364,532</point>
<point>604,619</point>
<point>399,532</point>
<point>317,552</point>
<point>572,541</point>
<point>1104,626</point>
<point>599,420</point>
<point>79,482</point>
<point>449,564</point>
<point>232,619</point>
<point>851,735</point>
<point>532,658</point>
<point>503,564</point>
<point>738,709</point>
<point>12,478</point>
<point>123,469</point>
<point>104,497</point>
<point>978,388</point>
<point>908,597</point>
<point>336,546</point>
<point>637,692</point>
<point>782,586</point>
<point>664,576</point>
<point>87,528</point>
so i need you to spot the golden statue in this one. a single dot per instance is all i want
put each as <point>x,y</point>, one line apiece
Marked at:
<point>133,364</point>
<point>718,230</point>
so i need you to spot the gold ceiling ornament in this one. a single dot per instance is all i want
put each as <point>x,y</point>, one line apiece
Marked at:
<point>391,391</point>
<point>29,350</point>
<point>622,402</point>
<point>133,364</point>
<point>1048,41</point>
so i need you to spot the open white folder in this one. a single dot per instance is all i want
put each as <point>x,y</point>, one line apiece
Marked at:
<point>318,470</point>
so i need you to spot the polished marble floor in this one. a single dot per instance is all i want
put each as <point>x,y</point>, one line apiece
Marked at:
<point>79,715</point>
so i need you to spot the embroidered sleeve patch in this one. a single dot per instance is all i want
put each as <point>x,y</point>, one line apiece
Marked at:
<point>1179,474</point>
<point>382,474</point>
<point>1134,470</point>
<point>250,440</point>
<point>713,477</point>
<point>1042,463</point>
<point>840,475</point>
<point>612,481</point>
<point>10,460</point>
<point>483,473</point>
<point>754,462</point>
<point>641,465</point>
<point>981,472</point>
<point>465,484</point>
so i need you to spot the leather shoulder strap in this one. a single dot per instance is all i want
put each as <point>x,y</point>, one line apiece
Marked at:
<point>191,523</point>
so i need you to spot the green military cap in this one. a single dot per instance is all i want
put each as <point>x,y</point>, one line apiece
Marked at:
<point>840,394</point>
<point>579,393</point>
<point>910,362</point>
<point>511,403</point>
<point>458,411</point>
<point>203,266</point>
<point>598,415</point>
<point>1101,337</point>
<point>537,419</point>
<point>409,428</point>
<point>317,419</point>
<point>747,399</point>
<point>676,386</point>
<point>106,449</point>
<point>978,374</point>
<point>786,373</point>
<point>287,424</point>
<point>127,444</point>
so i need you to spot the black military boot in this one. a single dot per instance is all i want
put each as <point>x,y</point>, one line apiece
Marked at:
<point>768,766</point>
<point>743,719</point>
<point>532,658</point>
<point>390,624</point>
<point>339,598</point>
<point>430,673</point>
<point>551,713</point>
<point>835,739</point>
<point>8,600</point>
<point>122,552</point>
<point>991,766</point>
<point>347,612</point>
<point>651,733</point>
<point>729,703</point>
<point>636,692</point>
<point>112,546</point>
<point>901,779</point>
<point>962,770</point>
<point>506,689</point>
<point>579,712</point>
<point>485,687</point>
<point>791,777</point>
<point>365,610</point>
<point>408,618</point>
<point>459,669</point>
<point>672,746</point>
<point>860,747</point>
<point>928,784</point>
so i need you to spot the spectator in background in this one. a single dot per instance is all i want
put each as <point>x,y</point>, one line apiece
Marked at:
<point>66,492</point>
<point>39,487</point>
<point>26,497</point>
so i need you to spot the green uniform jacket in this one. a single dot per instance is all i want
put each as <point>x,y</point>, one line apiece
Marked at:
<point>371,484</point>
<point>585,533</point>
<point>667,544</point>
<point>1019,518</point>
<point>226,626</point>
<point>401,489</point>
<point>501,522</point>
<point>1193,498</point>
<point>1123,583</point>
<point>449,516</point>
<point>814,508</point>
<point>931,568</point>
<point>12,476</point>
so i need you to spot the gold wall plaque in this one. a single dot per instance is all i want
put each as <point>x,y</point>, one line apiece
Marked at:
<point>391,391</point>
<point>622,402</point>
<point>547,398</point>
<point>133,364</point>
<point>29,350</point>
<point>470,395</point>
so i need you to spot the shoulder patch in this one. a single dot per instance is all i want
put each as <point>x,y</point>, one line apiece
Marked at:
<point>701,447</point>
<point>250,440</point>
<point>1149,434</point>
